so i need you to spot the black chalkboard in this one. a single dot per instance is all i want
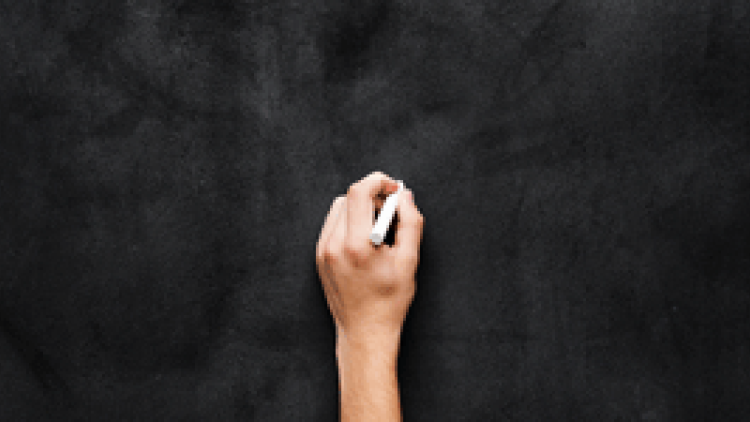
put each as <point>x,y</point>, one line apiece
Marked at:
<point>583,169</point>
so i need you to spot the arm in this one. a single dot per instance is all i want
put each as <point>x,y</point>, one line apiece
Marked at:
<point>368,382</point>
<point>369,290</point>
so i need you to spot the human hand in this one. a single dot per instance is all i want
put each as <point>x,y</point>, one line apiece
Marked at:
<point>369,289</point>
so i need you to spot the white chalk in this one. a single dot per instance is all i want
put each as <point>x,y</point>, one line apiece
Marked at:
<point>386,216</point>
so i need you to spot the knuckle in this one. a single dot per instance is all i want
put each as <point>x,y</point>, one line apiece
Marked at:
<point>387,289</point>
<point>330,256</point>
<point>356,254</point>
<point>319,255</point>
<point>353,191</point>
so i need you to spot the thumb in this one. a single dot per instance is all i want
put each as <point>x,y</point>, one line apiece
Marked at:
<point>409,230</point>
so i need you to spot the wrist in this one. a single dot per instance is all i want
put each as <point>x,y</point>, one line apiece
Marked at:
<point>370,341</point>
<point>380,346</point>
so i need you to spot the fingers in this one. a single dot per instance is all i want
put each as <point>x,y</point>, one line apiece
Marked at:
<point>330,223</point>
<point>338,235</point>
<point>322,250</point>
<point>361,200</point>
<point>409,230</point>
<point>328,247</point>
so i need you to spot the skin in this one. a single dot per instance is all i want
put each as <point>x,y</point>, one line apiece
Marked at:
<point>369,290</point>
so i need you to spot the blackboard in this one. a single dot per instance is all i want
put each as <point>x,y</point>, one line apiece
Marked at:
<point>583,169</point>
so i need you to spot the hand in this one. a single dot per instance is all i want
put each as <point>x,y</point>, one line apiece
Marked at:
<point>369,289</point>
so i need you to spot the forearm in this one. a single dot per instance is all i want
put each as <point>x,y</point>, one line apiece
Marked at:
<point>369,290</point>
<point>368,382</point>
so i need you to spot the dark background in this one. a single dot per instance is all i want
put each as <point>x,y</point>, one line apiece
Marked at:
<point>583,168</point>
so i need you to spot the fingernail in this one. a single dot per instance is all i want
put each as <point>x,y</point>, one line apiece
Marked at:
<point>410,195</point>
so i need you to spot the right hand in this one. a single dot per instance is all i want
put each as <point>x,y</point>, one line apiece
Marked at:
<point>369,289</point>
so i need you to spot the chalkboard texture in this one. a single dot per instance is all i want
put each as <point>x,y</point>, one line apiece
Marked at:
<point>583,168</point>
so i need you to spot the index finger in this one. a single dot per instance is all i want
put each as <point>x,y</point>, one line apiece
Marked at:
<point>361,206</point>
